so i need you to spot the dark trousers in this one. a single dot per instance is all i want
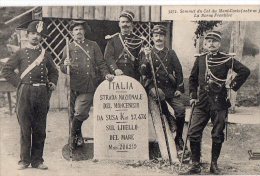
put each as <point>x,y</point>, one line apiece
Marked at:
<point>32,108</point>
<point>179,112</point>
<point>199,121</point>
<point>80,104</point>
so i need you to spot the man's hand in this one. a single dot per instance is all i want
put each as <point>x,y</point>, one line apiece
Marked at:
<point>147,51</point>
<point>160,92</point>
<point>118,72</point>
<point>67,62</point>
<point>109,77</point>
<point>177,93</point>
<point>193,101</point>
<point>51,86</point>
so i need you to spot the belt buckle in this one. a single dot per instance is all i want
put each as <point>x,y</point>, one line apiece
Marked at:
<point>36,84</point>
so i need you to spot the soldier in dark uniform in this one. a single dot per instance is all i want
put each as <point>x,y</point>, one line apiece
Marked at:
<point>122,50</point>
<point>169,79</point>
<point>209,93</point>
<point>86,61</point>
<point>37,73</point>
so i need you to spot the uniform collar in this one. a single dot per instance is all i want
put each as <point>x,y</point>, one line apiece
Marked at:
<point>162,50</point>
<point>80,41</point>
<point>213,54</point>
<point>127,35</point>
<point>30,46</point>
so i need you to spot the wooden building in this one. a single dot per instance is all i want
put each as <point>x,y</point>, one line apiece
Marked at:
<point>102,20</point>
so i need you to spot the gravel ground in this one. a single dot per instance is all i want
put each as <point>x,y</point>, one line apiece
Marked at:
<point>234,159</point>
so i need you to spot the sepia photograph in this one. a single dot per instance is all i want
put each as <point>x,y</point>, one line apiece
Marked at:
<point>119,90</point>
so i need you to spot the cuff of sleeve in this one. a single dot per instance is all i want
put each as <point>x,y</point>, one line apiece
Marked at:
<point>181,88</point>
<point>234,86</point>
<point>193,95</point>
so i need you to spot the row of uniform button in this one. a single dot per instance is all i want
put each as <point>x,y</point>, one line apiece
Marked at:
<point>42,76</point>
<point>159,81</point>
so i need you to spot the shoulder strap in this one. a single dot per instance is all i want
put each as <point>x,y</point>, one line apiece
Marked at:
<point>162,64</point>
<point>32,65</point>
<point>121,39</point>
<point>82,49</point>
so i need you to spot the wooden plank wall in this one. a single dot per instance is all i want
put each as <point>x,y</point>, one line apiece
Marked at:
<point>111,13</point>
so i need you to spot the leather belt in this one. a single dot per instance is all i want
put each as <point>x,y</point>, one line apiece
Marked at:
<point>38,84</point>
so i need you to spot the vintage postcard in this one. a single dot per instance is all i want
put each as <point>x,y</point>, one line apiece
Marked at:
<point>121,90</point>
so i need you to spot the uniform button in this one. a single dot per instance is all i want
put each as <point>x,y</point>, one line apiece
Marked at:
<point>29,61</point>
<point>87,58</point>
<point>41,68</point>
<point>158,81</point>
<point>30,77</point>
<point>87,65</point>
<point>125,64</point>
<point>157,74</point>
<point>165,59</point>
<point>76,58</point>
<point>166,67</point>
<point>41,64</point>
<point>41,76</point>
<point>30,81</point>
<point>156,60</point>
<point>28,57</point>
<point>166,81</point>
<point>30,73</point>
<point>41,72</point>
<point>87,73</point>
<point>86,44</point>
<point>157,67</point>
<point>41,80</point>
<point>75,51</point>
<point>87,51</point>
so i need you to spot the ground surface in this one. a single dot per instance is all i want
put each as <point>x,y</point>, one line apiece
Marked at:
<point>234,159</point>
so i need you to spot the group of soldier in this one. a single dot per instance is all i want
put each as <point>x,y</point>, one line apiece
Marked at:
<point>125,54</point>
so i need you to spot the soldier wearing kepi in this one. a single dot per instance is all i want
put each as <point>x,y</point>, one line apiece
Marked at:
<point>122,50</point>
<point>209,93</point>
<point>37,73</point>
<point>169,78</point>
<point>86,61</point>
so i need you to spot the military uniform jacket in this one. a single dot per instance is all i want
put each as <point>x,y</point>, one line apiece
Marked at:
<point>173,66</point>
<point>44,73</point>
<point>117,58</point>
<point>219,64</point>
<point>85,70</point>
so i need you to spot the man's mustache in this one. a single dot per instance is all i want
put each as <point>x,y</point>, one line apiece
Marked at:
<point>125,26</point>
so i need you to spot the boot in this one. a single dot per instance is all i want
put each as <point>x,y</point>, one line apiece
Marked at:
<point>178,139</point>
<point>195,157</point>
<point>76,124</point>
<point>172,123</point>
<point>170,118</point>
<point>215,152</point>
<point>80,140</point>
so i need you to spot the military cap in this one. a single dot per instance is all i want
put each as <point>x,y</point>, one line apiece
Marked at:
<point>75,23</point>
<point>214,35</point>
<point>159,29</point>
<point>34,26</point>
<point>128,14</point>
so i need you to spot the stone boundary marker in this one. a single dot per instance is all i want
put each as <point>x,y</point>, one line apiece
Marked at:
<point>121,120</point>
